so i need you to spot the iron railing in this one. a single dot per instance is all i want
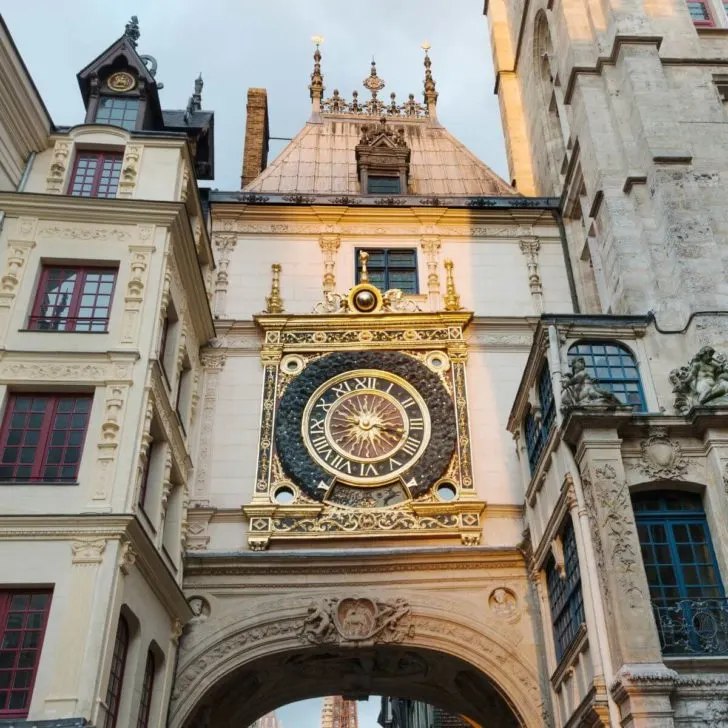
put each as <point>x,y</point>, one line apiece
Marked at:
<point>693,626</point>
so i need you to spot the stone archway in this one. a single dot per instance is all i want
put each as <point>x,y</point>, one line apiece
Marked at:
<point>293,647</point>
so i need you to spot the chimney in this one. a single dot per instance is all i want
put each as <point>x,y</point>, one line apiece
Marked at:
<point>255,154</point>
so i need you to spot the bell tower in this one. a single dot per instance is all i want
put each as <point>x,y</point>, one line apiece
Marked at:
<point>619,109</point>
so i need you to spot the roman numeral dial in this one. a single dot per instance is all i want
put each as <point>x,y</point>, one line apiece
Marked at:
<point>366,427</point>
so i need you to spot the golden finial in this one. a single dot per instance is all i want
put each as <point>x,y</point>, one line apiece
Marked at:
<point>430,92</point>
<point>274,302</point>
<point>363,258</point>
<point>452,299</point>
<point>316,87</point>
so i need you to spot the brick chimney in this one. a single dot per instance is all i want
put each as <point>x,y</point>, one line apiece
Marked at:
<point>255,154</point>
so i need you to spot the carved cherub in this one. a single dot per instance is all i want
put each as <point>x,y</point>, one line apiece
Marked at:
<point>317,625</point>
<point>702,381</point>
<point>580,389</point>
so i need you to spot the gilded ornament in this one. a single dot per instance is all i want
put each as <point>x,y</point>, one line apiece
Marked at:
<point>121,81</point>
<point>274,302</point>
<point>452,299</point>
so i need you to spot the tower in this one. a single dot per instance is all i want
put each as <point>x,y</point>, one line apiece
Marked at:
<point>619,108</point>
<point>338,712</point>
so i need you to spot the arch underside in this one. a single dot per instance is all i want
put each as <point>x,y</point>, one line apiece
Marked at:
<point>395,670</point>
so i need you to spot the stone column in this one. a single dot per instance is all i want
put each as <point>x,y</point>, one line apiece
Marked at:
<point>631,630</point>
<point>431,248</point>
<point>530,247</point>
<point>330,247</point>
<point>224,243</point>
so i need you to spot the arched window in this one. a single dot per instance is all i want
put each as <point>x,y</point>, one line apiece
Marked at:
<point>145,704</point>
<point>537,432</point>
<point>614,367</point>
<point>565,598</point>
<point>116,675</point>
<point>685,585</point>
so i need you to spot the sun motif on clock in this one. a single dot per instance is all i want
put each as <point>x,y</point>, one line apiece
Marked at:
<point>365,420</point>
<point>366,426</point>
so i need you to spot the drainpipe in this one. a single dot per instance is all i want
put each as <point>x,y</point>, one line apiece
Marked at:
<point>21,184</point>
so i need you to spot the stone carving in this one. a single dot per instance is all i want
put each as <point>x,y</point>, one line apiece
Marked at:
<point>84,233</point>
<point>139,262</point>
<point>504,604</point>
<point>57,170</point>
<point>661,456</point>
<point>129,170</point>
<point>431,248</point>
<point>702,383</point>
<point>329,247</point>
<point>85,552</point>
<point>127,557</point>
<point>16,260</point>
<point>530,247</point>
<point>613,532</point>
<point>200,608</point>
<point>107,447</point>
<point>357,620</point>
<point>580,390</point>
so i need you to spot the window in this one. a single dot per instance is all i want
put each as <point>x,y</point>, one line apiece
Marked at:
<point>184,394</point>
<point>700,13</point>
<point>383,185</point>
<point>391,268</point>
<point>96,174</point>
<point>682,573</point>
<point>23,617</point>
<point>73,299</point>
<point>614,368</point>
<point>565,598</point>
<point>145,703</point>
<point>118,111</point>
<point>42,437</point>
<point>116,676</point>
<point>537,432</point>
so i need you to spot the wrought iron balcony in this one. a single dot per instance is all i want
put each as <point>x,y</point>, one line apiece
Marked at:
<point>693,626</point>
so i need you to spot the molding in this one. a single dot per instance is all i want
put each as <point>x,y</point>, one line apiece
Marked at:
<point>504,510</point>
<point>566,666</point>
<point>90,530</point>
<point>83,368</point>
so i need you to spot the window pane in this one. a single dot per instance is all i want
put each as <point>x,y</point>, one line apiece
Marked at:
<point>391,268</point>
<point>383,185</point>
<point>116,675</point>
<point>96,174</point>
<point>118,110</point>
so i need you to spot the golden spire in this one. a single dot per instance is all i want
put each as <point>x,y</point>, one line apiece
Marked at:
<point>452,299</point>
<point>274,302</point>
<point>363,258</point>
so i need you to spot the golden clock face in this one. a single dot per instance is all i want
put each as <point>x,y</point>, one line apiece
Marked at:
<point>366,426</point>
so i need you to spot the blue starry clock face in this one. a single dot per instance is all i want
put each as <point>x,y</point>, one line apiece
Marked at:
<point>365,420</point>
<point>366,426</point>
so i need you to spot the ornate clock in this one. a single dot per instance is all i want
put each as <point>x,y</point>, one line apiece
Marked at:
<point>365,419</point>
<point>364,428</point>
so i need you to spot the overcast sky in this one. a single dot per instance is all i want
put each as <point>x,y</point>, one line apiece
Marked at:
<point>242,43</point>
<point>237,44</point>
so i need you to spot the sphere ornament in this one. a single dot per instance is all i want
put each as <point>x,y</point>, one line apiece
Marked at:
<point>364,419</point>
<point>365,298</point>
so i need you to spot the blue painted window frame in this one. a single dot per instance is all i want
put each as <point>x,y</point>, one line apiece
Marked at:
<point>677,549</point>
<point>565,595</point>
<point>386,271</point>
<point>537,433</point>
<point>614,367</point>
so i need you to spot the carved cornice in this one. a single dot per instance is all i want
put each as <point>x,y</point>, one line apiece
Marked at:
<point>83,368</point>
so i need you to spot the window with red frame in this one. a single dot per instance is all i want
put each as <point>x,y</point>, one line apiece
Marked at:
<point>145,704</point>
<point>700,13</point>
<point>23,617</point>
<point>116,676</point>
<point>96,174</point>
<point>42,437</point>
<point>73,299</point>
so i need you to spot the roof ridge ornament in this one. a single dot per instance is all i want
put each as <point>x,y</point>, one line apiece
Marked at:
<point>316,87</point>
<point>195,102</point>
<point>131,30</point>
<point>430,91</point>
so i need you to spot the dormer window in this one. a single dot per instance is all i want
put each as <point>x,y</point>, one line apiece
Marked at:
<point>382,159</point>
<point>118,111</point>
<point>384,185</point>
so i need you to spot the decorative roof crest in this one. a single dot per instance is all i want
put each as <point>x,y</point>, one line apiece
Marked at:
<point>131,30</point>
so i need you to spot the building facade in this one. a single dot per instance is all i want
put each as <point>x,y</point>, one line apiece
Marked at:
<point>283,465</point>
<point>337,712</point>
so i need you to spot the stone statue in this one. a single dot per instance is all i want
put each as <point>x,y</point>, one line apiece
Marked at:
<point>703,382</point>
<point>580,389</point>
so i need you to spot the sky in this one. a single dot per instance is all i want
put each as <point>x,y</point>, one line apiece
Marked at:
<point>238,44</point>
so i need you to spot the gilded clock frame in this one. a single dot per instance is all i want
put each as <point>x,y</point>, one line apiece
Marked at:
<point>308,337</point>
